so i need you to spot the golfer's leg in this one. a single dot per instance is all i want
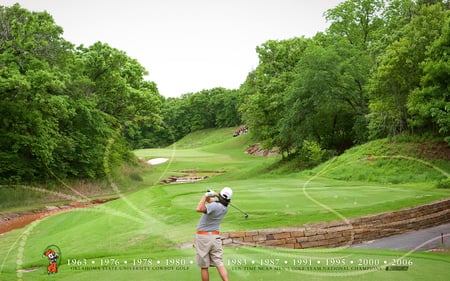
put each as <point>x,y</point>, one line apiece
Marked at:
<point>223,272</point>
<point>205,274</point>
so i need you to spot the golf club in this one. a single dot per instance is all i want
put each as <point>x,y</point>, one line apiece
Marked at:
<point>245,214</point>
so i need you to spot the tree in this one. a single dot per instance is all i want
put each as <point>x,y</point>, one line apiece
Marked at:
<point>61,107</point>
<point>32,56</point>
<point>213,108</point>
<point>145,124</point>
<point>263,91</point>
<point>118,89</point>
<point>400,73</point>
<point>224,103</point>
<point>356,20</point>
<point>429,104</point>
<point>175,117</point>
<point>199,111</point>
<point>326,101</point>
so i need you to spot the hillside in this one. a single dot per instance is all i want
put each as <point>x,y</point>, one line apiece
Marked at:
<point>390,162</point>
<point>380,161</point>
<point>157,221</point>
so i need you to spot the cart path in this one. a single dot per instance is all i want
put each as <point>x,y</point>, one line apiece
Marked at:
<point>420,240</point>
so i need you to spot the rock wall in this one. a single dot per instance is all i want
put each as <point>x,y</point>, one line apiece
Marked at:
<point>345,232</point>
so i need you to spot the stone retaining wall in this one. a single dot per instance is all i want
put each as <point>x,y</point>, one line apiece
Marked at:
<point>345,232</point>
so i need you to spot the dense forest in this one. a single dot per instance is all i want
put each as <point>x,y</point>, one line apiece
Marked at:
<point>381,69</point>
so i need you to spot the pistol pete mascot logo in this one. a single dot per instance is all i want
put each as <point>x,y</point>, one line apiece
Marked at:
<point>52,253</point>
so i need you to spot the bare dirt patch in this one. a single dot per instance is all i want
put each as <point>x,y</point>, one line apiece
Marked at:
<point>431,150</point>
<point>440,251</point>
<point>423,150</point>
<point>256,150</point>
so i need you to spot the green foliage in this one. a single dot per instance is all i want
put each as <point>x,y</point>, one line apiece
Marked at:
<point>310,154</point>
<point>399,72</point>
<point>215,108</point>
<point>197,105</point>
<point>326,102</point>
<point>31,101</point>
<point>17,195</point>
<point>429,104</point>
<point>61,108</point>
<point>445,183</point>
<point>263,91</point>
<point>379,70</point>
<point>118,90</point>
<point>356,20</point>
<point>224,103</point>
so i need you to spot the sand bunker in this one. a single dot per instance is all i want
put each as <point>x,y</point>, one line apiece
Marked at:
<point>157,161</point>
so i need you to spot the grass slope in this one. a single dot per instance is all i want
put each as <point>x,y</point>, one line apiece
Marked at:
<point>152,229</point>
<point>385,161</point>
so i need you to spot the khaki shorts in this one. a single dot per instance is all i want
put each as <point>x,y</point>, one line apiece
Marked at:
<point>209,250</point>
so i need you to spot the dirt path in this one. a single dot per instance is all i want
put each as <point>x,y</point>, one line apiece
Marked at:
<point>11,221</point>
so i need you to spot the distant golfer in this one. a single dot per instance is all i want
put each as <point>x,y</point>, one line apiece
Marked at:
<point>207,240</point>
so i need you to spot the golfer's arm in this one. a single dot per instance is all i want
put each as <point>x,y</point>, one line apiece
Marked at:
<point>201,207</point>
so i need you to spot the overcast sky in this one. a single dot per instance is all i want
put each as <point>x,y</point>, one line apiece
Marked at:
<point>186,45</point>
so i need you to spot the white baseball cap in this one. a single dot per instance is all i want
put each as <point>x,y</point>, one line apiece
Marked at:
<point>226,193</point>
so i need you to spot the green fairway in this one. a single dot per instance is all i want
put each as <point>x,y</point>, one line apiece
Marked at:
<point>148,234</point>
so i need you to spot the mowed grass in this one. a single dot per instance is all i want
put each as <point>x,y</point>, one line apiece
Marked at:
<point>254,264</point>
<point>157,224</point>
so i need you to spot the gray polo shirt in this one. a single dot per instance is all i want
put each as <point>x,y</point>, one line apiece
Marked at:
<point>215,212</point>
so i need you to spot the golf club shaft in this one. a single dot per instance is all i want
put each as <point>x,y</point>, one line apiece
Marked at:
<point>238,209</point>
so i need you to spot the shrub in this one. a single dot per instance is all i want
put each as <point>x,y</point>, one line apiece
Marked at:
<point>311,154</point>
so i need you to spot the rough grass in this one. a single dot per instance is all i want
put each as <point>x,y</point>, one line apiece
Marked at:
<point>14,198</point>
<point>390,162</point>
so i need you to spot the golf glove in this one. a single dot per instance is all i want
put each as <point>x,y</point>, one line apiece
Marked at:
<point>210,193</point>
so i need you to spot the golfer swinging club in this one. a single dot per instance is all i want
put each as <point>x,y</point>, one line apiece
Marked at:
<point>207,240</point>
